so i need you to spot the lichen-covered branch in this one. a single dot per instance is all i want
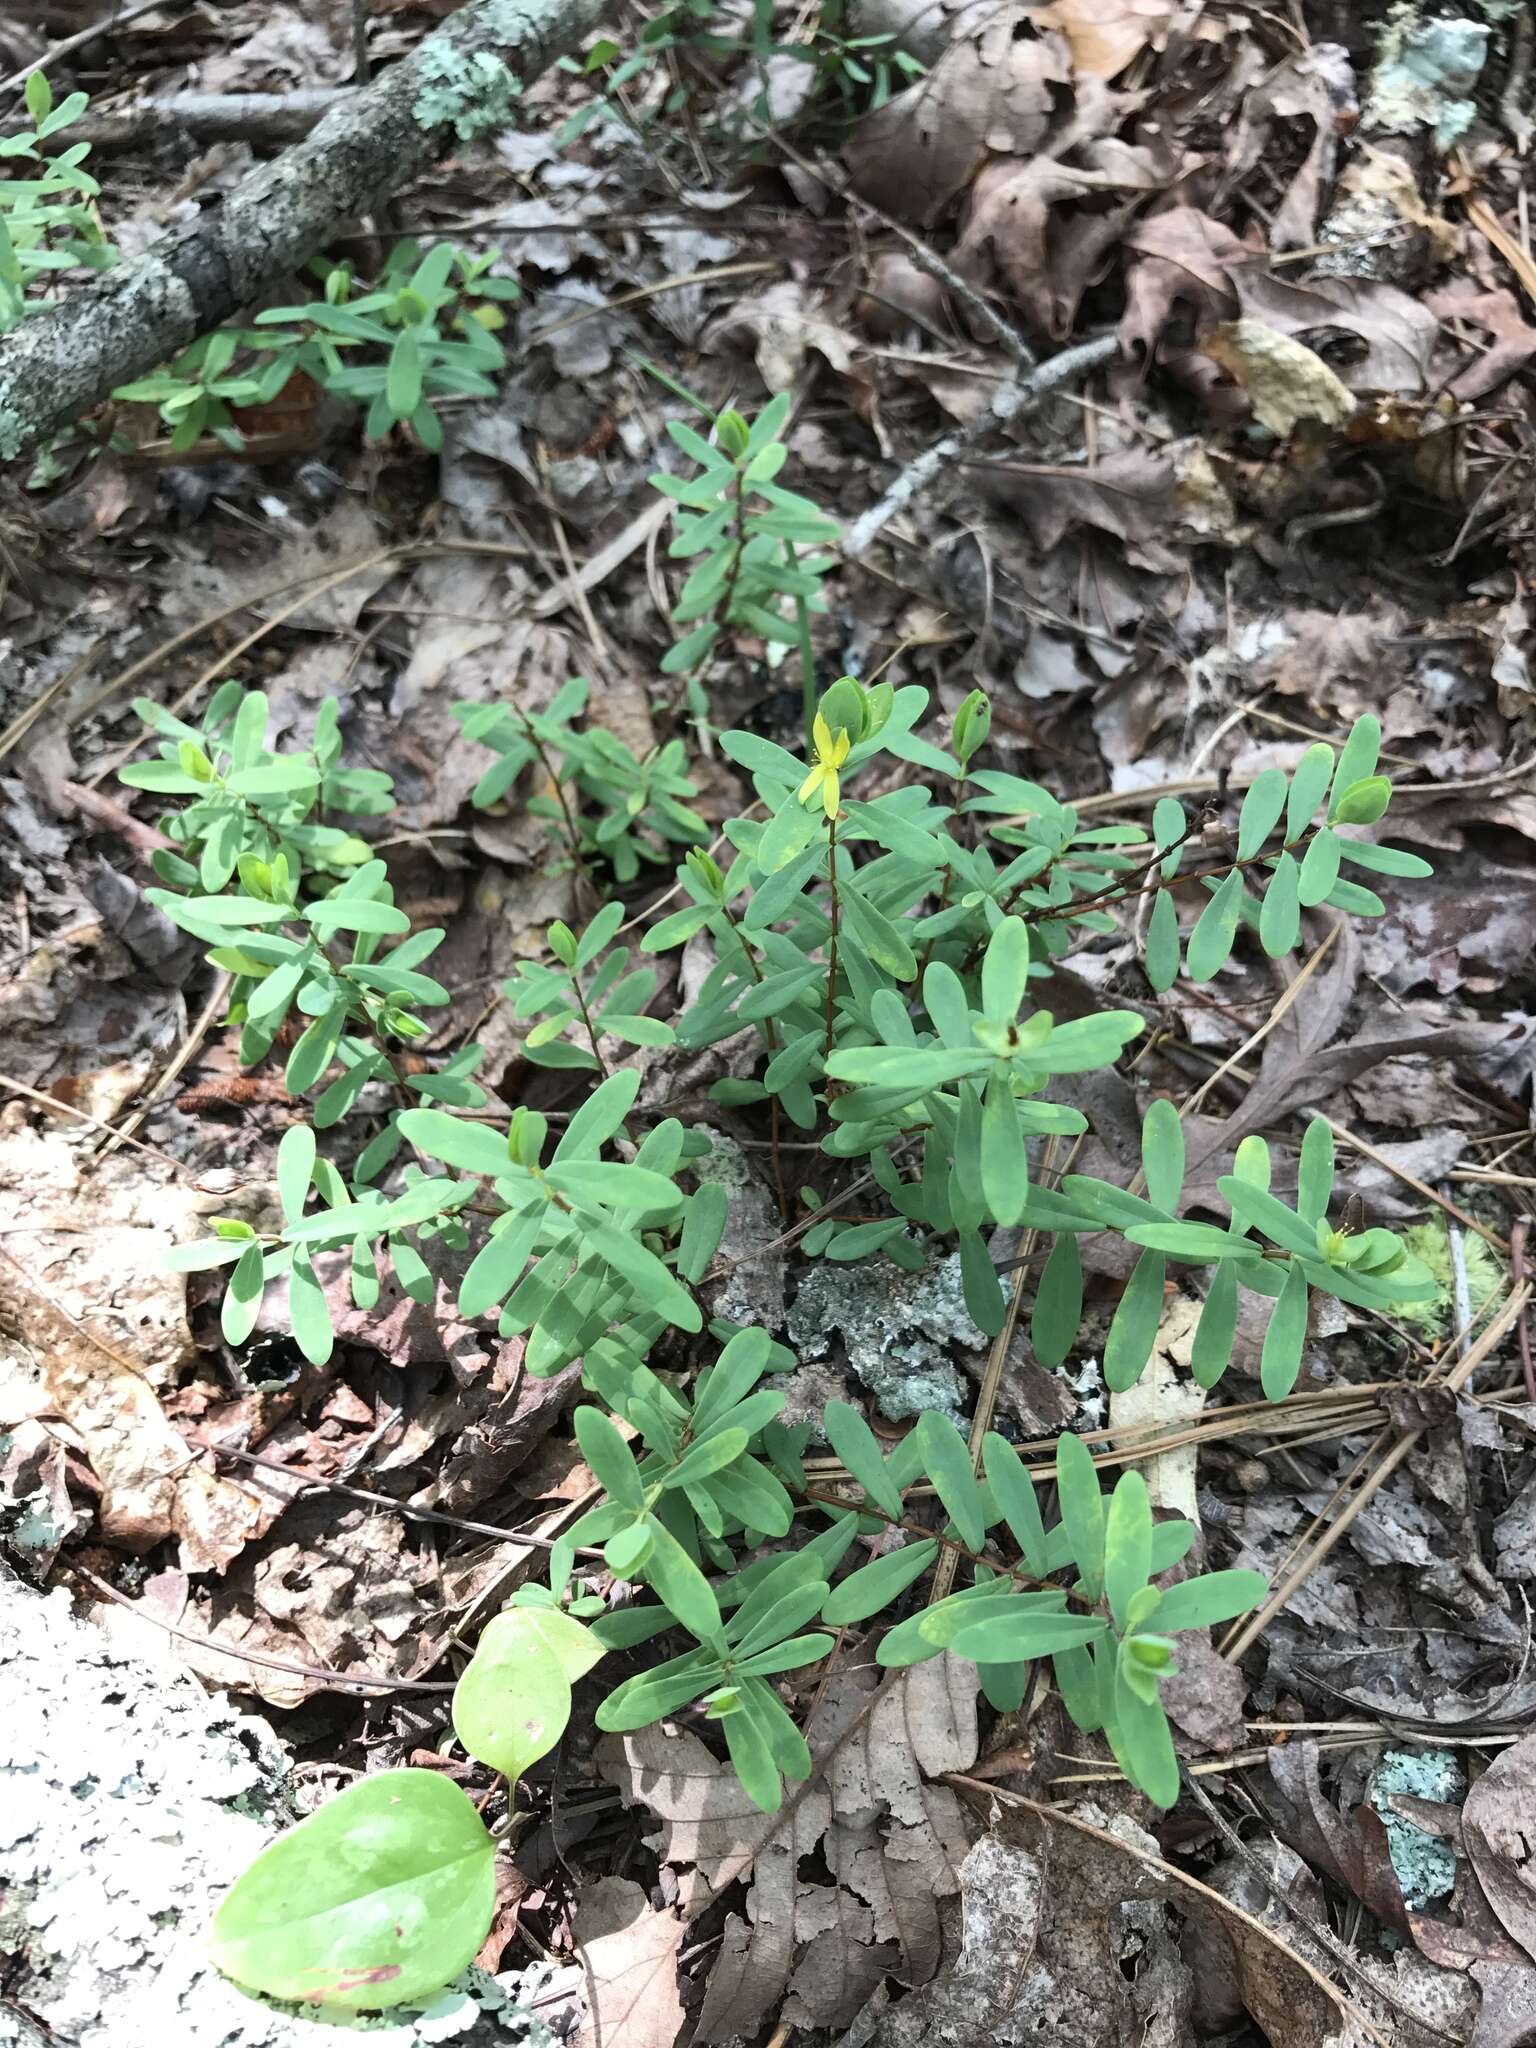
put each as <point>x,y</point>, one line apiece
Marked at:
<point>460,83</point>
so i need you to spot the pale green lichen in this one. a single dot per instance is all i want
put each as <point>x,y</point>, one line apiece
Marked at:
<point>13,434</point>
<point>1425,75</point>
<point>898,1329</point>
<point>1425,1866</point>
<point>473,95</point>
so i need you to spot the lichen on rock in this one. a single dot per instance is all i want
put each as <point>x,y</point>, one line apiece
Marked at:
<point>899,1330</point>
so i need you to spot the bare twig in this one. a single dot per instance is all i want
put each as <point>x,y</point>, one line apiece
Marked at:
<point>107,26</point>
<point>1009,402</point>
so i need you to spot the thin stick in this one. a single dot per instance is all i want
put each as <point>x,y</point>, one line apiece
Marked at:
<point>194,1038</point>
<point>342,1680</point>
<point>1009,402</point>
<point>97,1123</point>
<point>1171,1873</point>
<point>649,291</point>
<point>307,1482</point>
<point>1193,1101</point>
<point>1454,1381</point>
<point>233,654</point>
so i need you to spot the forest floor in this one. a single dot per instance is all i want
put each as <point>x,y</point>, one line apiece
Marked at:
<point>1193,562</point>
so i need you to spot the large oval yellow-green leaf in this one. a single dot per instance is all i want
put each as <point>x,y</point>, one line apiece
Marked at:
<point>512,1704</point>
<point>382,1896</point>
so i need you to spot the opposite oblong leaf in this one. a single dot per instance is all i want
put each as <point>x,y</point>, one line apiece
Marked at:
<point>1284,1337</point>
<point>382,1896</point>
<point>1211,941</point>
<point>1162,943</point>
<point>1058,1303</point>
<point>1260,812</point>
<point>1211,1352</point>
<point>1280,913</point>
<point>1162,1154</point>
<point>1133,1331</point>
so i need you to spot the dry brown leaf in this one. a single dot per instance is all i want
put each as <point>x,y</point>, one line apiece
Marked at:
<point>893,1848</point>
<point>1498,1823</point>
<point>1179,257</point>
<point>1353,1850</point>
<point>1107,35</point>
<point>1497,313</point>
<point>628,1956</point>
<point>1285,382</point>
<point>151,1486</point>
<point>1317,85</point>
<point>1374,336</point>
<point>989,94</point>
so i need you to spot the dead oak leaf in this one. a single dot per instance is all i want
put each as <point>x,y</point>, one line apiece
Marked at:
<point>993,92</point>
<point>1107,35</point>
<point>628,1956</point>
<point>891,1838</point>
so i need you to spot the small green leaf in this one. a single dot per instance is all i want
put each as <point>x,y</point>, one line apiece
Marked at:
<point>1082,1511</point>
<point>513,1701</point>
<point>307,1310</point>
<point>1314,1175</point>
<point>1014,1492</point>
<point>948,1462</point>
<point>854,1442</point>
<point>1202,1602</point>
<point>1261,810</point>
<point>381,1897</point>
<point>1058,1306</point>
<point>1211,1352</point>
<point>1309,785</point>
<point>242,1297</point>
<point>1284,1337</point>
<point>1162,1154</point>
<point>295,1167</point>
<point>874,1586</point>
<point>609,1457</point>
<point>1004,1162</point>
<point>1361,752</point>
<point>1319,868</point>
<point>1211,941</point>
<point>1162,943</point>
<point>1133,1329</point>
<point>1127,1543</point>
<point>1280,912</point>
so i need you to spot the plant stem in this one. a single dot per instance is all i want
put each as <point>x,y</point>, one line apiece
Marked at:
<point>807,653</point>
<point>572,829</point>
<point>826,1052</point>
<point>586,1018</point>
<point>867,1507</point>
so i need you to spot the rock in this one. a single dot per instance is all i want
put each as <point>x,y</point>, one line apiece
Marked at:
<point>129,1801</point>
<point>898,1329</point>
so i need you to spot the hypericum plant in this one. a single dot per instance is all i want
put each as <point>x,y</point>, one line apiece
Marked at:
<point>48,222</point>
<point>424,330</point>
<point>748,533</point>
<point>602,802</point>
<point>886,947</point>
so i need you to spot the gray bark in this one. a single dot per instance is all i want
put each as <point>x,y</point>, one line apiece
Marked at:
<point>210,116</point>
<point>458,84</point>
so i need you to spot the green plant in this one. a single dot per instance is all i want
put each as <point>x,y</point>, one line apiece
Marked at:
<point>885,949</point>
<point>748,533</point>
<point>425,330</point>
<point>48,223</point>
<point>640,805</point>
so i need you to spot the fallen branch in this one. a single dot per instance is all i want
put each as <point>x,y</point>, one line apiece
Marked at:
<point>1009,402</point>
<point>458,84</point>
<point>210,116</point>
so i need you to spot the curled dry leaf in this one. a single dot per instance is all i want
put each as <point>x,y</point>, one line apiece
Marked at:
<point>151,1488</point>
<point>1354,1851</point>
<point>893,1850</point>
<point>1498,1823</point>
<point>628,1955</point>
<point>1285,381</point>
<point>1376,337</point>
